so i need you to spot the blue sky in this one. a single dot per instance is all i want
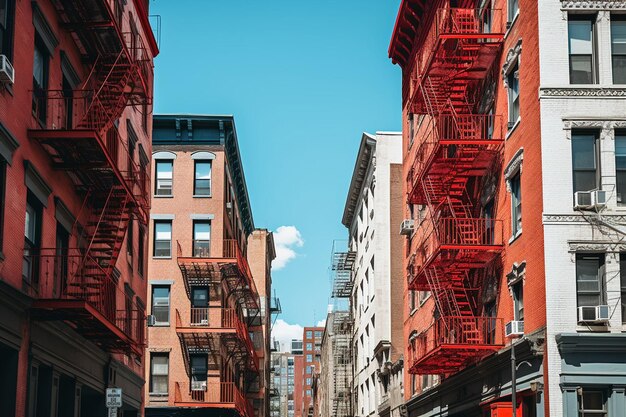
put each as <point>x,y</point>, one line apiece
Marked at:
<point>303,80</point>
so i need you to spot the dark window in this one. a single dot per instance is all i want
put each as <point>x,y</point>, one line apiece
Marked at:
<point>68,101</point>
<point>516,204</point>
<point>199,370</point>
<point>622,276</point>
<point>518,301</point>
<point>140,251</point>
<point>163,239</point>
<point>590,279</point>
<point>144,116</point>
<point>591,403</point>
<point>620,166</point>
<point>164,178</point>
<point>161,304</point>
<point>202,239</point>
<point>32,241</point>
<point>41,63</point>
<point>7,16</point>
<point>618,48</point>
<point>584,161</point>
<point>3,179</point>
<point>202,178</point>
<point>132,145</point>
<point>62,254</point>
<point>130,234</point>
<point>513,92</point>
<point>581,49</point>
<point>512,9</point>
<point>159,371</point>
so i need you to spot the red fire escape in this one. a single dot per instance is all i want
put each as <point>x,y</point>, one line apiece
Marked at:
<point>458,150</point>
<point>77,126</point>
<point>220,330</point>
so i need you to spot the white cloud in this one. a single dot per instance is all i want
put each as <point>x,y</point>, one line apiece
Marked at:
<point>321,323</point>
<point>286,239</point>
<point>283,332</point>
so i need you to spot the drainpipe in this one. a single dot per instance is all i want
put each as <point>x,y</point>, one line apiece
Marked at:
<point>513,381</point>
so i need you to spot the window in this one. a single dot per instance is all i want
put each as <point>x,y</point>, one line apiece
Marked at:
<point>618,48</point>
<point>7,13</point>
<point>309,346</point>
<point>590,279</point>
<point>620,166</point>
<point>161,304</point>
<point>162,239</point>
<point>199,370</point>
<point>164,178</point>
<point>309,334</point>
<point>159,370</point>
<point>622,276</point>
<point>423,296</point>
<point>309,370</point>
<point>518,300</point>
<point>202,239</point>
<point>140,251</point>
<point>40,79</point>
<point>32,237</point>
<point>132,146</point>
<point>3,179</point>
<point>581,49</point>
<point>62,253</point>
<point>309,358</point>
<point>308,381</point>
<point>584,161</point>
<point>202,179</point>
<point>591,403</point>
<point>516,204</point>
<point>130,238</point>
<point>411,122</point>
<point>513,9</point>
<point>513,92</point>
<point>308,393</point>
<point>318,334</point>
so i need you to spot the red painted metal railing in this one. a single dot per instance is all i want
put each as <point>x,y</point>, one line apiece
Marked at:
<point>469,337</point>
<point>70,274</point>
<point>214,394</point>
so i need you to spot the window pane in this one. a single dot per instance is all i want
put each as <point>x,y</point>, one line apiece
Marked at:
<point>584,151</point>
<point>163,231</point>
<point>585,181</point>
<point>619,69</point>
<point>202,184</point>
<point>618,36</point>
<point>580,37</point>
<point>593,400</point>
<point>164,177</point>
<point>202,231</point>
<point>581,69</point>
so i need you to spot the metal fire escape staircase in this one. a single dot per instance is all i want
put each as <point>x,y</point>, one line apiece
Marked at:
<point>462,151</point>
<point>78,130</point>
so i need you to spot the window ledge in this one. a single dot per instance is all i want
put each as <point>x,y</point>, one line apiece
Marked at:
<point>202,196</point>
<point>511,24</point>
<point>161,257</point>
<point>160,325</point>
<point>163,196</point>
<point>413,311</point>
<point>515,237</point>
<point>512,129</point>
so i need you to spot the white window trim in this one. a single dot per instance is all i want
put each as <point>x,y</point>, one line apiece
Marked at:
<point>514,168</point>
<point>513,60</point>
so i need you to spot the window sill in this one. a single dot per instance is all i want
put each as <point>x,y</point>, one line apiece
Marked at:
<point>201,196</point>
<point>161,257</point>
<point>511,24</point>
<point>163,196</point>
<point>512,129</point>
<point>160,325</point>
<point>515,237</point>
<point>413,312</point>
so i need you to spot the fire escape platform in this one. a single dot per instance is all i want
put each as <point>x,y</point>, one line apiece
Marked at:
<point>450,358</point>
<point>87,321</point>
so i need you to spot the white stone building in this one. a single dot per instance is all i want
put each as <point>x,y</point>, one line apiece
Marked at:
<point>372,215</point>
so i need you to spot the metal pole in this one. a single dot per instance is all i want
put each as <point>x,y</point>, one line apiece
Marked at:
<point>513,381</point>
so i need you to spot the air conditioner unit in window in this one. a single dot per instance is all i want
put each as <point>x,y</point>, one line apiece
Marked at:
<point>407,227</point>
<point>198,385</point>
<point>151,319</point>
<point>514,328</point>
<point>7,73</point>
<point>588,200</point>
<point>593,314</point>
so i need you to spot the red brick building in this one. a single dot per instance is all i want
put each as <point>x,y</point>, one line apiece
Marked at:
<point>475,283</point>
<point>311,353</point>
<point>210,279</point>
<point>74,153</point>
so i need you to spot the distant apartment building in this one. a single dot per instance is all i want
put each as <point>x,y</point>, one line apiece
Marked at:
<point>372,269</point>
<point>210,281</point>
<point>312,344</point>
<point>284,376</point>
<point>76,88</point>
<point>297,347</point>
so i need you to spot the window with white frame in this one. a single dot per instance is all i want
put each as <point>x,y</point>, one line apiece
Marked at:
<point>202,178</point>
<point>592,403</point>
<point>164,177</point>
<point>582,51</point>
<point>620,167</point>
<point>161,304</point>
<point>516,204</point>
<point>518,300</point>
<point>585,161</point>
<point>159,371</point>
<point>590,279</point>
<point>513,95</point>
<point>162,239</point>
<point>512,9</point>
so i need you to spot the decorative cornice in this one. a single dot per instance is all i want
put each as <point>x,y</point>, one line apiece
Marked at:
<point>590,246</point>
<point>512,58</point>
<point>582,92</point>
<point>592,5</point>
<point>577,218</point>
<point>513,167</point>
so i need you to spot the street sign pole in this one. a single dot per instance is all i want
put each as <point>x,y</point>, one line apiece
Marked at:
<point>113,400</point>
